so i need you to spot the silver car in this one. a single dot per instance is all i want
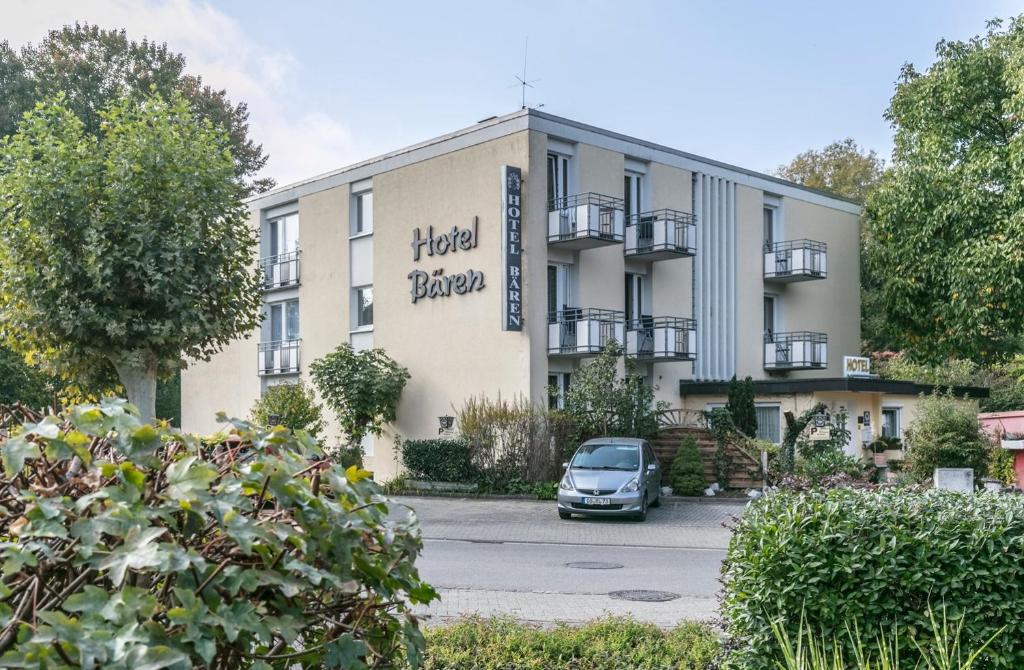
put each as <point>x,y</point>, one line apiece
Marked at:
<point>610,476</point>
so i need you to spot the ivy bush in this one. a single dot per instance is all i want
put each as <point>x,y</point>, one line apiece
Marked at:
<point>688,470</point>
<point>128,545</point>
<point>876,561</point>
<point>439,460</point>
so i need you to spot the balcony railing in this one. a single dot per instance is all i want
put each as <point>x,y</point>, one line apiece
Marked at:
<point>586,220</point>
<point>662,338</point>
<point>279,358</point>
<point>281,270</point>
<point>583,332</point>
<point>661,234</point>
<point>795,260</point>
<point>799,350</point>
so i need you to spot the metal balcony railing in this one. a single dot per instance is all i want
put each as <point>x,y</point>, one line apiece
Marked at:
<point>583,332</point>
<point>661,234</point>
<point>798,350</point>
<point>281,270</point>
<point>662,338</point>
<point>280,357</point>
<point>585,220</point>
<point>795,260</point>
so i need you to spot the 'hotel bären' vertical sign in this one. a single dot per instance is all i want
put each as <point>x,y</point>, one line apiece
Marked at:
<point>512,248</point>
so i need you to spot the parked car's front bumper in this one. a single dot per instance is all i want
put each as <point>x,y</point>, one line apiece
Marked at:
<point>621,503</point>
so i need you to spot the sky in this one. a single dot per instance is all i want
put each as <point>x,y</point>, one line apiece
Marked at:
<point>329,83</point>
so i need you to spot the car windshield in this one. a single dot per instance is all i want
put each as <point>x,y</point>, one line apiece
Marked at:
<point>607,457</point>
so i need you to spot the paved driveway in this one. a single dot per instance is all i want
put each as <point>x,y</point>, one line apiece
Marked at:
<point>517,557</point>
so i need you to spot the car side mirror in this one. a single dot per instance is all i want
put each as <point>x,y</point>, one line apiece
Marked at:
<point>565,465</point>
<point>651,467</point>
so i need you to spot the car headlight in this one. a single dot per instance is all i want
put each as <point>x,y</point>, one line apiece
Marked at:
<point>632,486</point>
<point>566,483</point>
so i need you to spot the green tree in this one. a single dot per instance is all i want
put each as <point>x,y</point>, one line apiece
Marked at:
<point>944,225</point>
<point>95,68</point>
<point>842,168</point>
<point>688,470</point>
<point>604,403</point>
<point>290,405</point>
<point>945,433</point>
<point>361,387</point>
<point>129,249</point>
<point>24,383</point>
<point>741,406</point>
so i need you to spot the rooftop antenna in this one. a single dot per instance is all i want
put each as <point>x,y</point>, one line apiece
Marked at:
<point>525,83</point>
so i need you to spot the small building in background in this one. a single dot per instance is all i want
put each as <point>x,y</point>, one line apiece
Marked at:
<point>1007,428</point>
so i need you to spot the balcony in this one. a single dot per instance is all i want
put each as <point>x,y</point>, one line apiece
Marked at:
<point>661,235</point>
<point>800,350</point>
<point>585,221</point>
<point>280,271</point>
<point>583,332</point>
<point>793,261</point>
<point>662,338</point>
<point>278,358</point>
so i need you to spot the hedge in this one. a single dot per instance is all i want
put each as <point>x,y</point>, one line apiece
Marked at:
<point>439,460</point>
<point>611,643</point>
<point>876,561</point>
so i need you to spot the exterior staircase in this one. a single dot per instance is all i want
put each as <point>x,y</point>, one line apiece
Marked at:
<point>745,470</point>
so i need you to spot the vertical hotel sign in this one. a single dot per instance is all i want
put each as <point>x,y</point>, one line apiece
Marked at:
<point>512,248</point>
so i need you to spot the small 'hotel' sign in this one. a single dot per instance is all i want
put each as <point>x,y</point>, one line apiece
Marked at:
<point>512,248</point>
<point>856,366</point>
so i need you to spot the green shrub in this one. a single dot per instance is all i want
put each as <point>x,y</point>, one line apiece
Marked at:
<point>741,405</point>
<point>438,460</point>
<point>1001,467</point>
<point>604,644</point>
<point>135,546</point>
<point>688,470</point>
<point>876,561</point>
<point>945,434</point>
<point>290,405</point>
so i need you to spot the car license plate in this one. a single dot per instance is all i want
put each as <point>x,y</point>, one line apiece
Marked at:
<point>597,501</point>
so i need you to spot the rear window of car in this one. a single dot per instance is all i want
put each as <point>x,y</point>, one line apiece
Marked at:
<point>607,457</point>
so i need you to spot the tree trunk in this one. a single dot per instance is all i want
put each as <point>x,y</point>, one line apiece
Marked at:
<point>139,380</point>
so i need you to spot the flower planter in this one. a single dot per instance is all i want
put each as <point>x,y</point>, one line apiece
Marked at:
<point>881,459</point>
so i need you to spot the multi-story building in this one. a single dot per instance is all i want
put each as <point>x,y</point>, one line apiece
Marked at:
<point>498,258</point>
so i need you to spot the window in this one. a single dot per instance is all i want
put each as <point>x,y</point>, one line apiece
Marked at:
<point>769,226</point>
<point>769,426</point>
<point>891,422</point>
<point>769,315</point>
<point>283,235</point>
<point>363,307</point>
<point>558,384</point>
<point>558,177</point>
<point>284,321</point>
<point>632,193</point>
<point>363,214</point>
<point>634,296</point>
<point>559,289</point>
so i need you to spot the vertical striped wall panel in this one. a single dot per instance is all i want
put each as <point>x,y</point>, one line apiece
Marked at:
<point>714,288</point>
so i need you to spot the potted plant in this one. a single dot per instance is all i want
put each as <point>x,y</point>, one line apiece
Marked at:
<point>878,449</point>
<point>1012,441</point>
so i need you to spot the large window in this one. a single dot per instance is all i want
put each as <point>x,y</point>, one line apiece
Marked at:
<point>769,315</point>
<point>363,307</point>
<point>634,296</point>
<point>558,384</point>
<point>632,193</point>
<point>284,235</point>
<point>559,288</point>
<point>891,422</point>
<point>558,177</point>
<point>363,214</point>
<point>769,226</point>
<point>769,423</point>
<point>284,321</point>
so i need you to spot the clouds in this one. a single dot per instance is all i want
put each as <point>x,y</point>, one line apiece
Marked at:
<point>301,142</point>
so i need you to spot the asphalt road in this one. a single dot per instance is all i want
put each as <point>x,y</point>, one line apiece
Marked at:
<point>504,557</point>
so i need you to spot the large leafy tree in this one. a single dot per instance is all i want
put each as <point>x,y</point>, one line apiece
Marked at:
<point>94,67</point>
<point>129,248</point>
<point>842,168</point>
<point>944,226</point>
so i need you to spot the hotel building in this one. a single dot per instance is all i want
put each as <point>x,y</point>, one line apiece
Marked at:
<point>497,259</point>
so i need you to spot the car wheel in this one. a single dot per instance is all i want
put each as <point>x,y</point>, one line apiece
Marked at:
<point>562,514</point>
<point>642,514</point>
